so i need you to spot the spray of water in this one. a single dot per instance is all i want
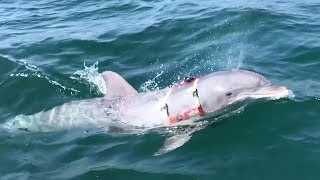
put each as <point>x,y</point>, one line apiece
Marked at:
<point>209,60</point>
<point>91,75</point>
<point>151,84</point>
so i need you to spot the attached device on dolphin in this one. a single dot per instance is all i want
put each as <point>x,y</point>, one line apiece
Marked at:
<point>184,104</point>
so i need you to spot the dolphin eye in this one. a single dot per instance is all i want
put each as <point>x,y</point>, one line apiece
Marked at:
<point>228,93</point>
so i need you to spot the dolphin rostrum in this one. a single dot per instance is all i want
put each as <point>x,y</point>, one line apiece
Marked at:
<point>183,104</point>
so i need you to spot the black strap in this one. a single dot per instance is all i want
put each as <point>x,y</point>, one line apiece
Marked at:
<point>188,79</point>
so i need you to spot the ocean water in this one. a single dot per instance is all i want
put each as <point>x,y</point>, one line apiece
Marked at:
<point>44,46</point>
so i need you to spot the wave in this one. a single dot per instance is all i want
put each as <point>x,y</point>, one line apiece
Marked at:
<point>35,72</point>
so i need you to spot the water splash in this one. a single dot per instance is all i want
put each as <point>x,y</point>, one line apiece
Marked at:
<point>91,75</point>
<point>151,84</point>
<point>292,95</point>
<point>164,77</point>
<point>219,58</point>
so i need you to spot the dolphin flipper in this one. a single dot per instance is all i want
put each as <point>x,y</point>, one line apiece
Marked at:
<point>173,143</point>
<point>180,138</point>
<point>116,85</point>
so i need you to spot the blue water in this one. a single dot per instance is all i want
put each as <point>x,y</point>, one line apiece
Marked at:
<point>153,44</point>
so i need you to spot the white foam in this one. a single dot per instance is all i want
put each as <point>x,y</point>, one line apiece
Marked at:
<point>93,77</point>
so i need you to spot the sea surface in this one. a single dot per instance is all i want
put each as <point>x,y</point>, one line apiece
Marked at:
<point>45,45</point>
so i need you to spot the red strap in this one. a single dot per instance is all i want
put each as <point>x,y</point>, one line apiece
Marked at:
<point>186,115</point>
<point>201,111</point>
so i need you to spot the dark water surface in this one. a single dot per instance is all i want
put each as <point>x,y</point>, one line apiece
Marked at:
<point>42,44</point>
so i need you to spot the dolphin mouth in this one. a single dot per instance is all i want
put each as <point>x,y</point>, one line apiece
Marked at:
<point>270,92</point>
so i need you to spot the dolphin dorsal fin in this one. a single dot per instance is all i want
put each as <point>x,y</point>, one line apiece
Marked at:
<point>117,86</point>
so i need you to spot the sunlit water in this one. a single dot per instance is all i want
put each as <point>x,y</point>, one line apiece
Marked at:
<point>51,53</point>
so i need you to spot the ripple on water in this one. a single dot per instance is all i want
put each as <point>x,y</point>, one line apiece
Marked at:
<point>154,44</point>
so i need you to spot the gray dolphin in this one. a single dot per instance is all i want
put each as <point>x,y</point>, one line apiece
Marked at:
<point>183,104</point>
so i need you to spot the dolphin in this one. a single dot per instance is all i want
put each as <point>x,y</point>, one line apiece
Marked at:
<point>185,104</point>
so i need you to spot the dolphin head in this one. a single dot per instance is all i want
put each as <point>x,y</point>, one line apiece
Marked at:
<point>230,87</point>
